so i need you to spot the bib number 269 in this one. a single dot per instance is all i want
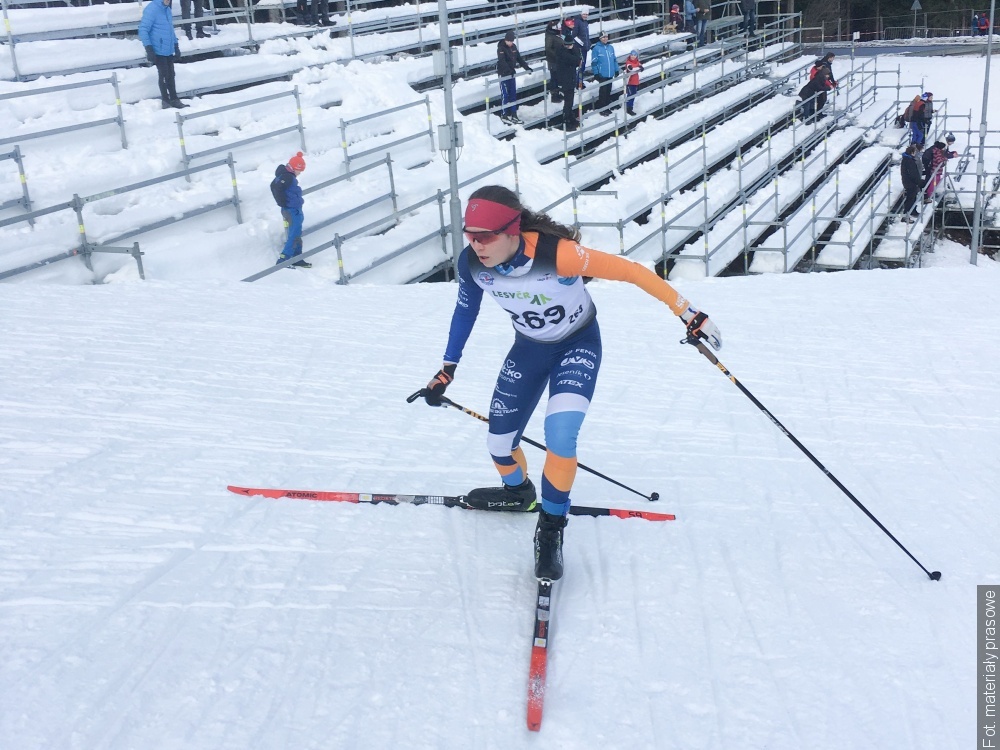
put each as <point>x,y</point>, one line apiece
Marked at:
<point>534,321</point>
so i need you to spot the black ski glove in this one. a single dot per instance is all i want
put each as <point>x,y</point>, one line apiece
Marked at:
<point>177,51</point>
<point>150,54</point>
<point>436,388</point>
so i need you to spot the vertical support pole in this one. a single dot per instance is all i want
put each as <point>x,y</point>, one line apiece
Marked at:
<point>444,232</point>
<point>430,122</point>
<point>298,113</point>
<point>343,145</point>
<point>350,27</point>
<point>118,105</point>
<point>24,183</point>
<point>454,202</point>
<point>486,101</point>
<point>392,188</point>
<point>180,132</point>
<point>82,231</point>
<point>338,244</point>
<point>10,41</point>
<point>420,30</point>
<point>576,215</point>
<point>248,17</point>
<point>236,191</point>
<point>517,179</point>
<point>666,169</point>
<point>138,260</point>
<point>663,233</point>
<point>565,135</point>
<point>977,210</point>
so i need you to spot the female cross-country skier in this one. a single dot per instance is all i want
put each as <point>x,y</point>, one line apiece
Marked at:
<point>534,268</point>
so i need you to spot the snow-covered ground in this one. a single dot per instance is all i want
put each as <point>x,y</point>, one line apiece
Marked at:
<point>144,606</point>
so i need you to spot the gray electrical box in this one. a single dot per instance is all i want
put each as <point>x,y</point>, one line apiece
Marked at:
<point>444,142</point>
<point>438,57</point>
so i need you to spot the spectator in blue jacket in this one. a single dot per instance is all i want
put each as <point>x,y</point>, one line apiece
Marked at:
<point>581,33</point>
<point>604,65</point>
<point>156,32</point>
<point>689,13</point>
<point>288,195</point>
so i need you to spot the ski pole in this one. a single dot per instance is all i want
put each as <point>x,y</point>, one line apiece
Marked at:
<point>652,497</point>
<point>935,576</point>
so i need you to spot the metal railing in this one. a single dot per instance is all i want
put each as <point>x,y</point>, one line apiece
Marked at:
<point>85,247</point>
<point>118,120</point>
<point>242,15</point>
<point>25,200</point>
<point>385,147</point>
<point>187,157</point>
<point>442,233</point>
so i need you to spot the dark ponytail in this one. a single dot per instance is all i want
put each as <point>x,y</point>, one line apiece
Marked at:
<point>530,221</point>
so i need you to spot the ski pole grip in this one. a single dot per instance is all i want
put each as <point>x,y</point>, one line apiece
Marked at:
<point>701,348</point>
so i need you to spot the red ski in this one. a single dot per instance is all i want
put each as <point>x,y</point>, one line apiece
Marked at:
<point>450,501</point>
<point>539,655</point>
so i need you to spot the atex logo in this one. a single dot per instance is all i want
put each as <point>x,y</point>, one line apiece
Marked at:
<point>574,383</point>
<point>578,361</point>
<point>508,370</point>
<point>485,278</point>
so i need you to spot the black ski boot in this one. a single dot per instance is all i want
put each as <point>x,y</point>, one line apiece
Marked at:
<point>548,546</point>
<point>519,498</point>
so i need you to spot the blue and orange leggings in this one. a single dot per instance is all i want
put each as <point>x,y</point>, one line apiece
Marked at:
<point>569,368</point>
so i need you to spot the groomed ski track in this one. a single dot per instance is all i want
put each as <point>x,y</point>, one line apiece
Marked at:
<point>144,606</point>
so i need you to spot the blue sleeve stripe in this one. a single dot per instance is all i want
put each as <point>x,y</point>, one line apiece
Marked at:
<point>470,299</point>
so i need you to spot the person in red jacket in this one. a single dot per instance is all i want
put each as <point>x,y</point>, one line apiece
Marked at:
<point>676,18</point>
<point>632,69</point>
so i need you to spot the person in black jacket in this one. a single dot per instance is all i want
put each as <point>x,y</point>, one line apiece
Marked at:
<point>809,93</point>
<point>824,62</point>
<point>568,58</point>
<point>913,180</point>
<point>553,39</point>
<point>508,58</point>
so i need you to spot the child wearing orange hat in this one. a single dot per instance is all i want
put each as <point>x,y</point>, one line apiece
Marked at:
<point>288,195</point>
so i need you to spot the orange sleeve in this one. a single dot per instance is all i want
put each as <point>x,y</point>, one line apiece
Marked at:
<point>573,259</point>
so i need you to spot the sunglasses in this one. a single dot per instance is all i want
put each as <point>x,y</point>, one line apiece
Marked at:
<point>491,236</point>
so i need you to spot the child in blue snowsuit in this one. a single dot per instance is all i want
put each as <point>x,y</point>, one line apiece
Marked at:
<point>288,195</point>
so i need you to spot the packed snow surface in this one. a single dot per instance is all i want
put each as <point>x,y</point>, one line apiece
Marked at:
<point>144,606</point>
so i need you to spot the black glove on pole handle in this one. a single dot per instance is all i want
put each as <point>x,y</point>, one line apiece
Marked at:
<point>445,401</point>
<point>935,576</point>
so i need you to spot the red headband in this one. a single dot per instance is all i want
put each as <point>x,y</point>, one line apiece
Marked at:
<point>490,215</point>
